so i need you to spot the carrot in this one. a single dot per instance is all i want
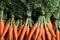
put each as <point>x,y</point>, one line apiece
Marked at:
<point>43,33</point>
<point>40,32</point>
<point>48,33</point>
<point>39,38</point>
<point>2,38</point>
<point>5,30</point>
<point>53,38</point>
<point>20,30</point>
<point>10,37</point>
<point>1,27</point>
<point>7,38</point>
<point>50,29</point>
<point>32,31</point>
<point>23,33</point>
<point>15,31</point>
<point>57,34</point>
<point>27,32</point>
<point>36,34</point>
<point>49,22</point>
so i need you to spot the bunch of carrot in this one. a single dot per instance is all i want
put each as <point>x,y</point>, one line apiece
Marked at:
<point>43,29</point>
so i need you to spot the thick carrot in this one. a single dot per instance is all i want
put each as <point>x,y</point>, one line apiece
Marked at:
<point>5,30</point>
<point>36,34</point>
<point>40,32</point>
<point>48,33</point>
<point>50,29</point>
<point>23,33</point>
<point>32,31</point>
<point>43,33</point>
<point>10,37</point>
<point>57,34</point>
<point>20,30</point>
<point>15,31</point>
<point>1,27</point>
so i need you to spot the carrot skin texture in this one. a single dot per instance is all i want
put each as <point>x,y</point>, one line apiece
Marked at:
<point>57,34</point>
<point>40,33</point>
<point>37,32</point>
<point>6,29</point>
<point>1,27</point>
<point>15,31</point>
<point>32,31</point>
<point>48,33</point>
<point>53,38</point>
<point>27,32</point>
<point>51,30</point>
<point>20,30</point>
<point>43,33</point>
<point>23,33</point>
<point>2,38</point>
<point>10,37</point>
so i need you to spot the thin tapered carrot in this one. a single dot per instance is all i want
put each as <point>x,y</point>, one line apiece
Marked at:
<point>2,38</point>
<point>57,34</point>
<point>1,27</point>
<point>15,31</point>
<point>36,34</point>
<point>5,30</point>
<point>7,38</point>
<point>43,34</point>
<point>20,30</point>
<point>48,33</point>
<point>10,37</point>
<point>40,32</point>
<point>39,38</point>
<point>27,32</point>
<point>50,29</point>
<point>53,38</point>
<point>32,31</point>
<point>23,33</point>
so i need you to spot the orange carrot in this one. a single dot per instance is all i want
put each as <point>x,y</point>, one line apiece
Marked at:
<point>20,30</point>
<point>49,22</point>
<point>50,29</point>
<point>5,30</point>
<point>10,37</point>
<point>23,33</point>
<point>15,31</point>
<point>39,38</point>
<point>48,33</point>
<point>2,38</point>
<point>57,34</point>
<point>27,32</point>
<point>32,31</point>
<point>53,38</point>
<point>36,34</point>
<point>43,33</point>
<point>1,27</point>
<point>40,32</point>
